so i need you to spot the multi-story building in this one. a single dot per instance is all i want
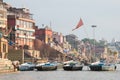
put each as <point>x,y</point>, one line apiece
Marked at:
<point>21,24</point>
<point>3,29</point>
<point>58,37</point>
<point>44,34</point>
<point>73,40</point>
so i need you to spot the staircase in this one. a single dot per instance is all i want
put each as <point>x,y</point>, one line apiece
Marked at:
<point>6,66</point>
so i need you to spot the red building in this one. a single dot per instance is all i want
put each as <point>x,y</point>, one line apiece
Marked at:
<point>21,25</point>
<point>44,34</point>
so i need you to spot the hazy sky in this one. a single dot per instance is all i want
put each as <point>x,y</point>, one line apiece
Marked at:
<point>65,14</point>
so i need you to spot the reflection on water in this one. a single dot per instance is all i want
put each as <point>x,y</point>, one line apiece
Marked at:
<point>63,75</point>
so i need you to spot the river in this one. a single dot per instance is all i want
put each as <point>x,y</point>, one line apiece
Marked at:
<point>60,74</point>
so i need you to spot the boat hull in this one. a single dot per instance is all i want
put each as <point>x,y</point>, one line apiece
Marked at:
<point>109,68</point>
<point>95,68</point>
<point>102,68</point>
<point>72,68</point>
<point>46,68</point>
<point>26,68</point>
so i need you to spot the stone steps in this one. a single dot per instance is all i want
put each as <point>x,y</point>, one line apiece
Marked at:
<point>6,65</point>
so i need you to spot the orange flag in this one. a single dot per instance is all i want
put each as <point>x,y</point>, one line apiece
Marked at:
<point>80,23</point>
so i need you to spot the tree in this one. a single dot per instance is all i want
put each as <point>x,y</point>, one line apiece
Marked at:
<point>97,43</point>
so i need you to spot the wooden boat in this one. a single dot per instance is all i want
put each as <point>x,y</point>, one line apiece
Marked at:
<point>102,66</point>
<point>28,66</point>
<point>46,66</point>
<point>72,66</point>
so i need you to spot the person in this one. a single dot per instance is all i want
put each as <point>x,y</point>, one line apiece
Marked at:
<point>15,65</point>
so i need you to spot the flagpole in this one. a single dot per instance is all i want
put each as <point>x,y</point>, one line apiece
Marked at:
<point>94,54</point>
<point>86,33</point>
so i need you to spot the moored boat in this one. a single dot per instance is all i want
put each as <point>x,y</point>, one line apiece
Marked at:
<point>102,66</point>
<point>28,66</point>
<point>46,66</point>
<point>72,66</point>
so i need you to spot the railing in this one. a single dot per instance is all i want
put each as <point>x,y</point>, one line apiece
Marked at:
<point>25,29</point>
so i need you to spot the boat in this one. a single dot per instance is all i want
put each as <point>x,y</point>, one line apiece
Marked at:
<point>46,66</point>
<point>102,66</point>
<point>28,66</point>
<point>72,66</point>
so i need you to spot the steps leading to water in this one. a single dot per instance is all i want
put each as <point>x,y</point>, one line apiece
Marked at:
<point>6,65</point>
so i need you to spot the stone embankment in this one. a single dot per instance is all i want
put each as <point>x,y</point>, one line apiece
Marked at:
<point>6,66</point>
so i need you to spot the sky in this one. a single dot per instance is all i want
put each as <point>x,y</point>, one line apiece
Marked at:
<point>63,16</point>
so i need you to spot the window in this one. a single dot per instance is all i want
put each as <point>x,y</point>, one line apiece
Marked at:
<point>31,25</point>
<point>4,47</point>
<point>1,22</point>
<point>1,15</point>
<point>18,22</point>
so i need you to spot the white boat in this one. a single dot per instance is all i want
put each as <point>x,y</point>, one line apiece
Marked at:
<point>27,66</point>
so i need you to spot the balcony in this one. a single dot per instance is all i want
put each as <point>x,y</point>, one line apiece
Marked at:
<point>29,19</point>
<point>23,36</point>
<point>24,29</point>
<point>3,9</point>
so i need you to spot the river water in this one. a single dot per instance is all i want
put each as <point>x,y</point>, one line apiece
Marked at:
<point>60,74</point>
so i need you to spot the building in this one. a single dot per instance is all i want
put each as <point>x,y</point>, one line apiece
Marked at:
<point>21,27</point>
<point>44,34</point>
<point>73,40</point>
<point>3,30</point>
<point>58,37</point>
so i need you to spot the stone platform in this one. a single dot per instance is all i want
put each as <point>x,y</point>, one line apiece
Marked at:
<point>6,66</point>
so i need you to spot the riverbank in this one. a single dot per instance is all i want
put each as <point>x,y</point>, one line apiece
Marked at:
<point>8,72</point>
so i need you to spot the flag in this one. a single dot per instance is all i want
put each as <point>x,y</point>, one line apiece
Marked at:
<point>80,23</point>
